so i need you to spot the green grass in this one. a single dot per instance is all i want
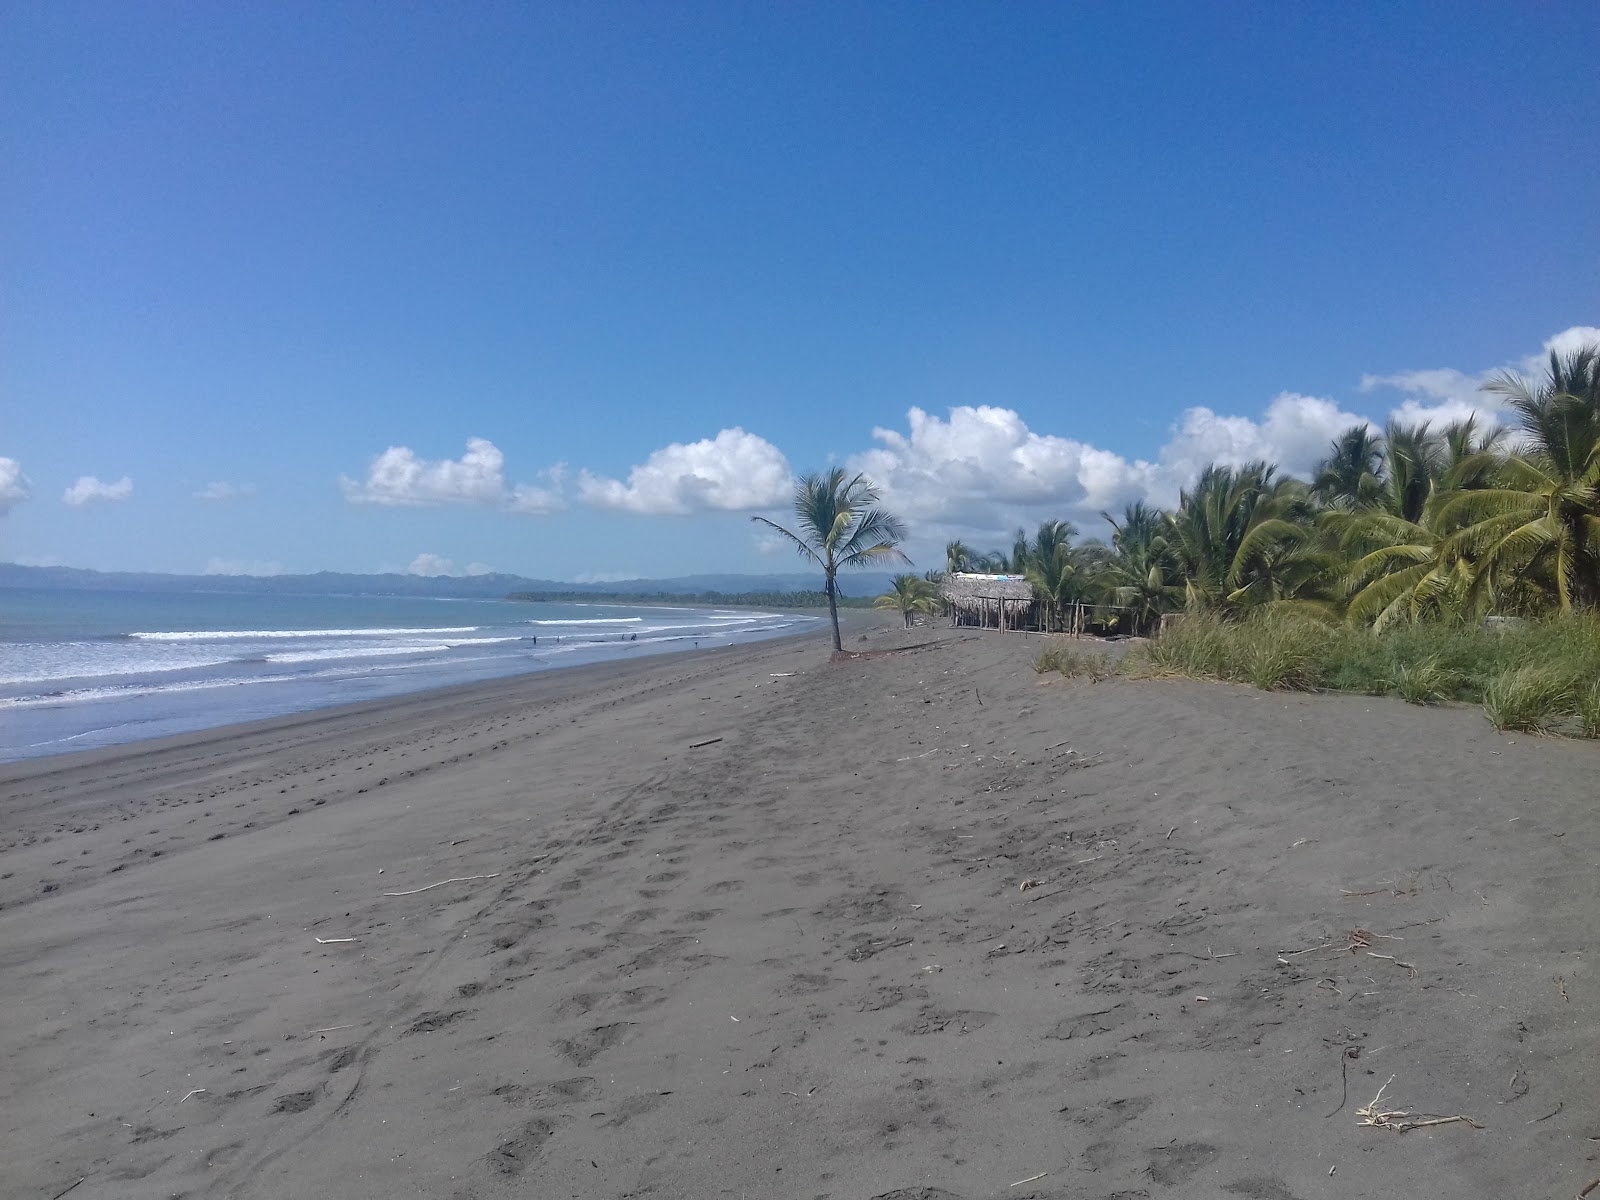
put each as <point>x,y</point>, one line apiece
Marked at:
<point>1532,698</point>
<point>1071,662</point>
<point>1541,676</point>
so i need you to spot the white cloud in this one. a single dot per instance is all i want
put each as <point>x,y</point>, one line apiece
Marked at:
<point>478,568</point>
<point>241,566</point>
<point>734,471</point>
<point>1569,340</point>
<point>1295,433</point>
<point>14,486</point>
<point>525,498</point>
<point>1443,394</point>
<point>604,576</point>
<point>225,491</point>
<point>398,478</point>
<point>430,565</point>
<point>981,472</point>
<point>89,490</point>
<point>982,468</point>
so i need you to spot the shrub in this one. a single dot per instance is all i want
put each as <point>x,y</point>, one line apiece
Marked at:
<point>1425,682</point>
<point>1589,710</point>
<point>1071,662</point>
<point>1529,698</point>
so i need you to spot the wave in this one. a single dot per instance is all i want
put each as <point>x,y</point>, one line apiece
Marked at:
<point>125,691</point>
<point>84,670</point>
<point>218,635</point>
<point>305,656</point>
<point>593,621</point>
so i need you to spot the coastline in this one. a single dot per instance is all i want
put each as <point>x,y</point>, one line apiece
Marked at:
<point>920,924</point>
<point>135,705</point>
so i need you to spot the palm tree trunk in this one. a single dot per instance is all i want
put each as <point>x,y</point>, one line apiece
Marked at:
<point>833,610</point>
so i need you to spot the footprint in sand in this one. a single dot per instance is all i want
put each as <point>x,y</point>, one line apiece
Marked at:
<point>428,1022</point>
<point>586,1047</point>
<point>294,1102</point>
<point>512,1155</point>
<point>1171,1165</point>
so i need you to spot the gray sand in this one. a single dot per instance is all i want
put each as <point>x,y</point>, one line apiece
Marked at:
<point>800,961</point>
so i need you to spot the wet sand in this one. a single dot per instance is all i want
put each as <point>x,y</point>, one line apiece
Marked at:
<point>921,926</point>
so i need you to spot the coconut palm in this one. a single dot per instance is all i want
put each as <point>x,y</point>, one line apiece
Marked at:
<point>1409,562</point>
<point>1543,518</point>
<point>841,527</point>
<point>1348,477</point>
<point>1139,575</point>
<point>958,556</point>
<point>912,594</point>
<point>1050,564</point>
<point>1244,537</point>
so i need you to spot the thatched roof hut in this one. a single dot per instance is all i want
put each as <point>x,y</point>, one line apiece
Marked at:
<point>1004,601</point>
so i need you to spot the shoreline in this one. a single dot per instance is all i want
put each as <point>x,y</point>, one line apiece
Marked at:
<point>642,651</point>
<point>753,920</point>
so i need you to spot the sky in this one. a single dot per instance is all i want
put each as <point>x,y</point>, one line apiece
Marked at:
<point>573,290</point>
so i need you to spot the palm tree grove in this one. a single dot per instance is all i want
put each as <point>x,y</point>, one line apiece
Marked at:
<point>1457,561</point>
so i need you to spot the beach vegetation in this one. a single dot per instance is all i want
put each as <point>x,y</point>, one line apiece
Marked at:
<point>841,527</point>
<point>911,596</point>
<point>1455,562</point>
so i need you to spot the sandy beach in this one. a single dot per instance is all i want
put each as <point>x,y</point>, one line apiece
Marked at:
<point>923,925</point>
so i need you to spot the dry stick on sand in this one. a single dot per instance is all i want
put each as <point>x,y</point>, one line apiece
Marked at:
<point>709,742</point>
<point>1399,1120</point>
<point>1581,1195</point>
<point>332,941</point>
<point>1356,939</point>
<point>442,882</point>
<point>1030,1179</point>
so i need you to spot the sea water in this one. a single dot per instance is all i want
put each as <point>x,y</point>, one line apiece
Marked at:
<point>80,669</point>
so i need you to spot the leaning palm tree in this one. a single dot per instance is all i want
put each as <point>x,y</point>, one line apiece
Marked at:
<point>958,556</point>
<point>1543,518</point>
<point>912,594</point>
<point>840,527</point>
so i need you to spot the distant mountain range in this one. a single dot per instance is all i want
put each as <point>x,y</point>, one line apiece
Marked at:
<point>324,583</point>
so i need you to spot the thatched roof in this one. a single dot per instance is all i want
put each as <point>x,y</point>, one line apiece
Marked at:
<point>968,591</point>
<point>962,585</point>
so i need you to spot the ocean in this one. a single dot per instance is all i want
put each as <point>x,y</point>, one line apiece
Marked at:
<point>80,669</point>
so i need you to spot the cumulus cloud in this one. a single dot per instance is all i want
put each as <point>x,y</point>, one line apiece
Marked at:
<point>983,468</point>
<point>1445,394</point>
<point>14,486</point>
<point>219,492</point>
<point>732,472</point>
<point>89,490</point>
<point>980,471</point>
<point>430,565</point>
<point>526,498</point>
<point>398,478</point>
<point>604,576</point>
<point>1294,433</point>
<point>241,566</point>
<point>478,568</point>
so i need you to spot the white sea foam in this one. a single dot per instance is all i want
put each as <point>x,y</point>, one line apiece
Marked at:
<point>267,635</point>
<point>88,667</point>
<point>593,621</point>
<point>305,656</point>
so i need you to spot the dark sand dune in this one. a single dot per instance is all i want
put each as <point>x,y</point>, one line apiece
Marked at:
<point>920,926</point>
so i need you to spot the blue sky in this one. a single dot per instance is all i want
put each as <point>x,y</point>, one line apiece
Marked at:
<point>571,290</point>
